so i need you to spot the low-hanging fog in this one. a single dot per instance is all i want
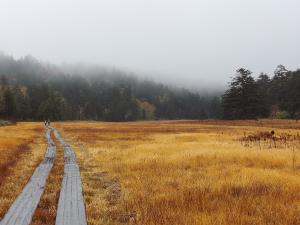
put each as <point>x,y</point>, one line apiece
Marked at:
<point>189,43</point>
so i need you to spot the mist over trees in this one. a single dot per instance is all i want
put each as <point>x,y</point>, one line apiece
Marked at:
<point>32,90</point>
<point>276,97</point>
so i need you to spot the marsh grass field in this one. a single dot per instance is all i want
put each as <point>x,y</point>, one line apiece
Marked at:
<point>166,172</point>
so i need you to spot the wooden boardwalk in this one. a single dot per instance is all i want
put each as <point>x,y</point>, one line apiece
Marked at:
<point>71,210</point>
<point>22,210</point>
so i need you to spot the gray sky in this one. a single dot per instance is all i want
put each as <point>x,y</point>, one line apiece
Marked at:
<point>188,42</point>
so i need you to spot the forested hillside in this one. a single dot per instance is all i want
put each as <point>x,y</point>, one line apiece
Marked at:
<point>32,90</point>
<point>275,97</point>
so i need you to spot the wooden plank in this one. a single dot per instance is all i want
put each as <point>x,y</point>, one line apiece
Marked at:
<point>23,208</point>
<point>71,210</point>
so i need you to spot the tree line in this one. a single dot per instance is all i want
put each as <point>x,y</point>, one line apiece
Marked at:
<point>33,90</point>
<point>275,97</point>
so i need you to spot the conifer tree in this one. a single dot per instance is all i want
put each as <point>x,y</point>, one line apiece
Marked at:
<point>241,100</point>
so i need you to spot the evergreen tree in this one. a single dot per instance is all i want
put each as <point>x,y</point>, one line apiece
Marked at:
<point>215,108</point>
<point>277,85</point>
<point>263,87</point>
<point>2,90</point>
<point>8,100</point>
<point>54,107</point>
<point>241,100</point>
<point>23,108</point>
<point>290,94</point>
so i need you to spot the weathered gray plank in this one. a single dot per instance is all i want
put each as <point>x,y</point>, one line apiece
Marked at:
<point>71,210</point>
<point>23,208</point>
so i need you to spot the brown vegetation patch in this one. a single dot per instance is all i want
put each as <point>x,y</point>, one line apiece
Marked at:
<point>271,139</point>
<point>10,160</point>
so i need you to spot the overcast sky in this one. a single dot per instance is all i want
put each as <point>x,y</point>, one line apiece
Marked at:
<point>191,42</point>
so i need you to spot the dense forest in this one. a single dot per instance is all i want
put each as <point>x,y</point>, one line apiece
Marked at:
<point>250,98</point>
<point>33,90</point>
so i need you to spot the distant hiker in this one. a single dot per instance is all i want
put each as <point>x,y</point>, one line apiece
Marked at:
<point>47,122</point>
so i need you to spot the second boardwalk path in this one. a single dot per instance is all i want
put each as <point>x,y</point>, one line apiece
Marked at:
<point>71,210</point>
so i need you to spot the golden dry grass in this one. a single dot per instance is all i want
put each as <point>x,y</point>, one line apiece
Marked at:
<point>180,172</point>
<point>22,147</point>
<point>186,172</point>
